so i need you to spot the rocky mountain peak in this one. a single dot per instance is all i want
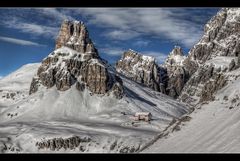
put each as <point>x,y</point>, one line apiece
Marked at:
<point>176,57</point>
<point>142,69</point>
<point>74,34</point>
<point>213,57</point>
<point>137,56</point>
<point>76,62</point>
<point>175,72</point>
<point>177,50</point>
<point>220,38</point>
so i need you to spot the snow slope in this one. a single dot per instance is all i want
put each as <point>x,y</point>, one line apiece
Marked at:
<point>214,127</point>
<point>50,113</point>
<point>16,84</point>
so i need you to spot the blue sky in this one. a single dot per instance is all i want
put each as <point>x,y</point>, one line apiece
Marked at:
<point>27,35</point>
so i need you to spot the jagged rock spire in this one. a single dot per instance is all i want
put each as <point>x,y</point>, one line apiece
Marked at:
<point>76,61</point>
<point>74,34</point>
<point>176,56</point>
<point>142,69</point>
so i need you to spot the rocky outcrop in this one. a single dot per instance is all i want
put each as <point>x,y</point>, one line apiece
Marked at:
<point>175,57</point>
<point>75,36</point>
<point>56,144</point>
<point>142,69</point>
<point>76,61</point>
<point>212,57</point>
<point>204,84</point>
<point>176,73</point>
<point>168,78</point>
<point>203,72</point>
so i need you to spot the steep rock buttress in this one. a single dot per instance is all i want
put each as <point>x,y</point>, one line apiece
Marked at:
<point>76,61</point>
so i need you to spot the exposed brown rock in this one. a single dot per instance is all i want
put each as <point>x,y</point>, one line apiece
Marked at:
<point>72,63</point>
<point>75,35</point>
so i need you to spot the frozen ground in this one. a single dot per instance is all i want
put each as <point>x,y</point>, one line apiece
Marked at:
<point>49,113</point>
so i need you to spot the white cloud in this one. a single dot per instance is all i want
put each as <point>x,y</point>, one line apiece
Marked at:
<point>144,21</point>
<point>21,20</point>
<point>172,24</point>
<point>121,35</point>
<point>1,77</point>
<point>55,14</point>
<point>112,51</point>
<point>32,28</point>
<point>19,41</point>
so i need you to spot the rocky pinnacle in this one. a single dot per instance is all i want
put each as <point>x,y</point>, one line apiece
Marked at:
<point>75,61</point>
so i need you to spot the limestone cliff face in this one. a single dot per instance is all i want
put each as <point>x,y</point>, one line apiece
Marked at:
<point>76,61</point>
<point>213,57</point>
<point>142,69</point>
<point>75,36</point>
<point>168,78</point>
<point>176,73</point>
<point>197,77</point>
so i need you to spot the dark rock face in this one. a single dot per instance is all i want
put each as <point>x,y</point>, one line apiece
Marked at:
<point>96,77</point>
<point>177,79</point>
<point>34,86</point>
<point>78,65</point>
<point>203,85</point>
<point>142,69</point>
<point>232,65</point>
<point>210,87</point>
<point>56,144</point>
<point>176,72</point>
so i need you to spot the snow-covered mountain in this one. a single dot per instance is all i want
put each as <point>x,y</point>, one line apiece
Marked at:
<point>15,87</point>
<point>213,57</point>
<point>212,127</point>
<point>75,102</point>
<point>213,89</point>
<point>76,61</point>
<point>142,69</point>
<point>168,78</point>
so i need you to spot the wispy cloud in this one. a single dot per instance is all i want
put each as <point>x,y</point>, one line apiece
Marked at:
<point>141,43</point>
<point>171,23</point>
<point>180,25</point>
<point>121,34</point>
<point>112,51</point>
<point>55,14</point>
<point>32,28</point>
<point>46,24</point>
<point>19,41</point>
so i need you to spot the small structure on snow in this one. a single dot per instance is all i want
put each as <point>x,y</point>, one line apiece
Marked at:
<point>145,116</point>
